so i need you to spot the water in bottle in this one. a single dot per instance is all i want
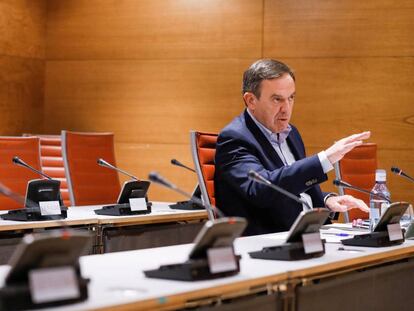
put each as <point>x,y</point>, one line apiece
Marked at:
<point>378,204</point>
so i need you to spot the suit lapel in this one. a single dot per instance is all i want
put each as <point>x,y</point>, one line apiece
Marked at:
<point>295,146</point>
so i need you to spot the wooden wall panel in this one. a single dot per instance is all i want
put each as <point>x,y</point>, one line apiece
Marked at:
<point>22,65</point>
<point>23,28</point>
<point>149,71</point>
<point>143,101</point>
<point>21,95</point>
<point>354,63</point>
<point>351,28</point>
<point>156,29</point>
<point>337,97</point>
<point>141,159</point>
<point>152,70</point>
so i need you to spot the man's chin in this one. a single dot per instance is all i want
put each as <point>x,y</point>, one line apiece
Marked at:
<point>283,127</point>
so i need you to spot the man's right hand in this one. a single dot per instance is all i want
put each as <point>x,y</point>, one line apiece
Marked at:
<point>337,151</point>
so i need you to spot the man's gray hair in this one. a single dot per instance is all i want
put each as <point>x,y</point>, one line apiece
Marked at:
<point>263,69</point>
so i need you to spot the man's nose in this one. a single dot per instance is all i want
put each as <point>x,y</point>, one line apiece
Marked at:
<point>285,105</point>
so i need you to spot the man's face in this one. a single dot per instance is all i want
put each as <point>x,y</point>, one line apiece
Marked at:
<point>274,107</point>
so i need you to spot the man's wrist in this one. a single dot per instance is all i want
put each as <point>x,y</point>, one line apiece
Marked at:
<point>329,195</point>
<point>325,162</point>
<point>332,215</point>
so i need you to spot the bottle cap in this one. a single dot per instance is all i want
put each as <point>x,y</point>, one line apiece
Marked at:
<point>380,175</point>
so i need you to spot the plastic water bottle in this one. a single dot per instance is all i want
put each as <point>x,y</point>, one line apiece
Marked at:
<point>377,204</point>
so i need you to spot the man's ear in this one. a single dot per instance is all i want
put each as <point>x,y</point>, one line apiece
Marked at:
<point>250,100</point>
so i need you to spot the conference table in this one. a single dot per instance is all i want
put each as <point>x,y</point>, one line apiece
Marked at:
<point>163,226</point>
<point>354,278</point>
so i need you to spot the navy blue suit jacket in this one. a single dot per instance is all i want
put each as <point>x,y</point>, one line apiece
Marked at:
<point>241,147</point>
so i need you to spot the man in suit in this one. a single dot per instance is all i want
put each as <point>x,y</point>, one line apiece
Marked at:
<point>261,139</point>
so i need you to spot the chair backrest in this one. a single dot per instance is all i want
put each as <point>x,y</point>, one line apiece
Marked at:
<point>357,168</point>
<point>13,176</point>
<point>52,162</point>
<point>89,183</point>
<point>203,149</point>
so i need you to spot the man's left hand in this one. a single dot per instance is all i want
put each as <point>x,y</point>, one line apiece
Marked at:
<point>342,203</point>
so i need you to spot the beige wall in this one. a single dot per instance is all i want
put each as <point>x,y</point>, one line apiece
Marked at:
<point>22,65</point>
<point>152,70</point>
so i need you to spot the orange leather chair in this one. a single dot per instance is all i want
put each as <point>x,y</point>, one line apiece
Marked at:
<point>89,183</point>
<point>52,162</point>
<point>13,176</point>
<point>203,146</point>
<point>357,168</point>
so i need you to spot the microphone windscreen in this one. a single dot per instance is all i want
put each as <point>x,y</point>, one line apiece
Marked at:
<point>16,160</point>
<point>102,162</point>
<point>252,174</point>
<point>336,182</point>
<point>157,178</point>
<point>395,170</point>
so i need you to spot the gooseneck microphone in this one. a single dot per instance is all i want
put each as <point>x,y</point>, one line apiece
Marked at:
<point>341,183</point>
<point>400,172</point>
<point>260,179</point>
<point>16,160</point>
<point>157,178</point>
<point>178,163</point>
<point>103,163</point>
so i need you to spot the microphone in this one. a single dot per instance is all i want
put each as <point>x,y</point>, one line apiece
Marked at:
<point>103,163</point>
<point>260,179</point>
<point>178,163</point>
<point>400,172</point>
<point>341,183</point>
<point>186,205</point>
<point>157,178</point>
<point>16,160</point>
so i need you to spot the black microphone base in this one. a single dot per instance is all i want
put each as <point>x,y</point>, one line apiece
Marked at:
<point>186,206</point>
<point>191,270</point>
<point>373,239</point>
<point>123,209</point>
<point>30,214</point>
<point>287,251</point>
<point>18,296</point>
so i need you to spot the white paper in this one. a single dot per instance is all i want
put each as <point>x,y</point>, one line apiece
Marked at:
<point>49,208</point>
<point>394,232</point>
<point>221,259</point>
<point>53,284</point>
<point>138,204</point>
<point>312,242</point>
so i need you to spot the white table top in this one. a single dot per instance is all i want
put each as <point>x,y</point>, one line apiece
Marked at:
<point>85,215</point>
<point>117,279</point>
